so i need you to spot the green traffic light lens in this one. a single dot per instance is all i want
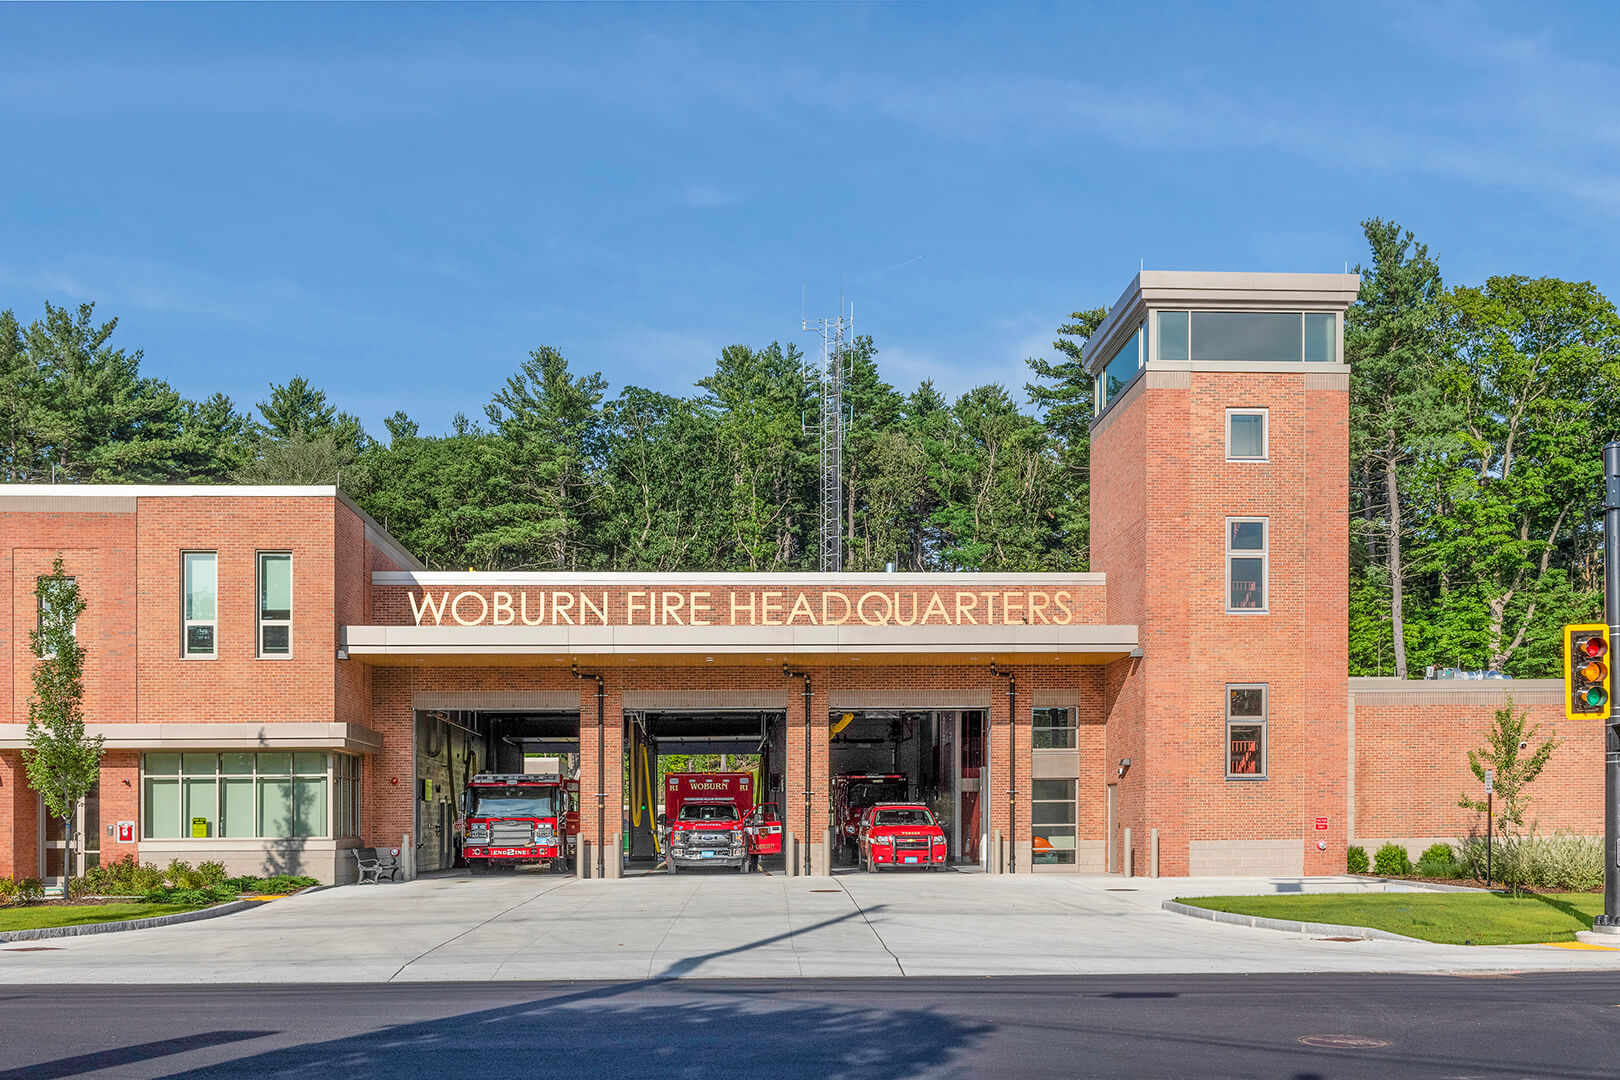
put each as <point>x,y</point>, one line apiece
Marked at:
<point>1595,696</point>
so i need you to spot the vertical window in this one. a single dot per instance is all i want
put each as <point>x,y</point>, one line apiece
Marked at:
<point>1246,555</point>
<point>1247,437</point>
<point>200,603</point>
<point>1054,729</point>
<point>1053,818</point>
<point>1321,338</point>
<point>1172,331</point>
<point>1246,706</point>
<point>42,603</point>
<point>1122,366</point>
<point>275,603</point>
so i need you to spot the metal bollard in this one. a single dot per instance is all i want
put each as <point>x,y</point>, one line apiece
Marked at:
<point>1128,860</point>
<point>1153,857</point>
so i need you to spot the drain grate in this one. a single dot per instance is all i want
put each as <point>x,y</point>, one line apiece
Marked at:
<point>826,890</point>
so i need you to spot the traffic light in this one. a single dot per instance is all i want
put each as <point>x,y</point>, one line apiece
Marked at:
<point>1588,680</point>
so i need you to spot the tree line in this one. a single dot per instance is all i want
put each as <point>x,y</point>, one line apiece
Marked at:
<point>1477,414</point>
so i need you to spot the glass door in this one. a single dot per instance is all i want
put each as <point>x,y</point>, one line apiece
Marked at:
<point>53,840</point>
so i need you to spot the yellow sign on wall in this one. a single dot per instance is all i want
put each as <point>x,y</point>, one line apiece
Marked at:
<point>199,828</point>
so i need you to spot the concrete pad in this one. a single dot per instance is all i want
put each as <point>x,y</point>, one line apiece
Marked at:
<point>531,927</point>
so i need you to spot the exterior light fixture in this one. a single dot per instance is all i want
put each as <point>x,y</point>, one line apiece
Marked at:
<point>1124,764</point>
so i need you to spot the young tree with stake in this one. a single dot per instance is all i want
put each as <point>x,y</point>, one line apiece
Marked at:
<point>62,762</point>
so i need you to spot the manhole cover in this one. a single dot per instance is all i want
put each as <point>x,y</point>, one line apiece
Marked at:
<point>37,948</point>
<point>1344,1042</point>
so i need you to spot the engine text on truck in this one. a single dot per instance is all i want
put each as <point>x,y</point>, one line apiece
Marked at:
<point>515,818</point>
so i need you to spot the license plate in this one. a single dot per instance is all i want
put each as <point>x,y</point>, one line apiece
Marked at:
<point>911,858</point>
<point>705,854</point>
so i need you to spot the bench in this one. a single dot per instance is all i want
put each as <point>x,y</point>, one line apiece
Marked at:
<point>374,863</point>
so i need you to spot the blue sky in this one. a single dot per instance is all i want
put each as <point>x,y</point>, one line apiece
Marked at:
<point>399,202</point>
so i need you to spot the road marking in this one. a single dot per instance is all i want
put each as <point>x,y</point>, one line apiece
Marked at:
<point>1579,945</point>
<point>1344,1042</point>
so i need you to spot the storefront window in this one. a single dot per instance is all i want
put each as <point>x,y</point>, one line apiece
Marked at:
<point>1054,729</point>
<point>272,795</point>
<point>1053,818</point>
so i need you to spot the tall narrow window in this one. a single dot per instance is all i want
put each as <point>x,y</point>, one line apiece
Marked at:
<point>200,603</point>
<point>1246,555</point>
<point>1246,708</point>
<point>1052,810</point>
<point>41,603</point>
<point>275,603</point>
<point>1246,435</point>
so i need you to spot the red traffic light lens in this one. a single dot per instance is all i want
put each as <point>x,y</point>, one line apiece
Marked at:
<point>1594,646</point>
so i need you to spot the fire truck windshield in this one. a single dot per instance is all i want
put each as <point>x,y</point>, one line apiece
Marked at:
<point>904,816</point>
<point>514,802</point>
<point>707,812</point>
<point>876,791</point>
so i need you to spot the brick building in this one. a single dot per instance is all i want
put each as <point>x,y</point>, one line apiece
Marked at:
<point>278,680</point>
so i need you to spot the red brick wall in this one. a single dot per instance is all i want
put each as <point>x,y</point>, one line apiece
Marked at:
<point>1412,763</point>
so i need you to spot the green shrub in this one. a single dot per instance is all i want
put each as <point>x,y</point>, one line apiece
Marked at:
<point>16,890</point>
<point>182,875</point>
<point>1392,861</point>
<point>1447,869</point>
<point>278,884</point>
<point>212,873</point>
<point>1355,860</point>
<point>1567,861</point>
<point>125,877</point>
<point>1438,853</point>
<point>214,894</point>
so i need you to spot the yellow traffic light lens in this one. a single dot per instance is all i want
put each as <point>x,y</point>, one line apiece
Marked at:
<point>1592,671</point>
<point>1594,646</point>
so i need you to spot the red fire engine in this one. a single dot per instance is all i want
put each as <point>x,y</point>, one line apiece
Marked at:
<point>853,792</point>
<point>900,834</point>
<point>703,819</point>
<point>514,818</point>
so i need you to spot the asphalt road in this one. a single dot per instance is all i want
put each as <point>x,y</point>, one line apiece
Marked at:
<point>1290,1027</point>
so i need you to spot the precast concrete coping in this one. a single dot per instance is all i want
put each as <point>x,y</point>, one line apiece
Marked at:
<point>218,736</point>
<point>804,579</point>
<point>1018,638</point>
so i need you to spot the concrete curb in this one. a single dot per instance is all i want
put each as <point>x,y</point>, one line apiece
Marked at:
<point>1289,925</point>
<point>44,932</point>
<point>1426,886</point>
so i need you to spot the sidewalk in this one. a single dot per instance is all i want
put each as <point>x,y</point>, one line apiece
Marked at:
<point>456,928</point>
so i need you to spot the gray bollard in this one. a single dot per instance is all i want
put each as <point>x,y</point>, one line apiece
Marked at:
<point>1153,857</point>
<point>1128,860</point>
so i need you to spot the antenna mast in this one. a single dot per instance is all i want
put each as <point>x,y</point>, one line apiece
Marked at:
<point>827,380</point>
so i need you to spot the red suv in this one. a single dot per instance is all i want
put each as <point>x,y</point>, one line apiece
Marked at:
<point>900,834</point>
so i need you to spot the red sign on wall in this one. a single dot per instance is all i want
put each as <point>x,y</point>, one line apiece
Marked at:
<point>126,832</point>
<point>1321,824</point>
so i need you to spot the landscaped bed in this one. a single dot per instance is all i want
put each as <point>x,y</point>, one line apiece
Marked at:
<point>39,916</point>
<point>1448,918</point>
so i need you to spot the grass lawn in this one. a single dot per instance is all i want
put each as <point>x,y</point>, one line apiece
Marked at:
<point>1449,918</point>
<point>33,918</point>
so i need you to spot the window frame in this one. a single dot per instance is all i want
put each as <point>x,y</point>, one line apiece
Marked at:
<point>1263,722</point>
<point>1070,726</point>
<point>260,622</point>
<point>1264,413</point>
<point>1334,341</point>
<point>341,777</point>
<point>1072,801</point>
<point>1263,553</point>
<point>39,613</point>
<point>185,623</point>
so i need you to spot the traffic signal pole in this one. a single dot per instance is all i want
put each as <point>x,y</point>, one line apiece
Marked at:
<point>1609,921</point>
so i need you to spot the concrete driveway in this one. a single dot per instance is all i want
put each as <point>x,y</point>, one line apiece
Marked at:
<point>525,926</point>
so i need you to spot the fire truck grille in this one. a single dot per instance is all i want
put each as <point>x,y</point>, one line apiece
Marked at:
<point>912,844</point>
<point>711,838</point>
<point>510,832</point>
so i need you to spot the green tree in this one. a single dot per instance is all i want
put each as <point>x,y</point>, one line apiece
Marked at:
<point>1513,764</point>
<point>1397,409</point>
<point>1063,394</point>
<point>62,762</point>
<point>433,492</point>
<point>1536,378</point>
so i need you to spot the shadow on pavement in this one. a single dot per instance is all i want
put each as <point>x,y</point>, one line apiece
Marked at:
<point>599,1033</point>
<point>128,1055</point>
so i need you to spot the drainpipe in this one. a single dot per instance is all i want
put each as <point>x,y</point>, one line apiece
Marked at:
<point>601,775</point>
<point>1012,766</point>
<point>805,839</point>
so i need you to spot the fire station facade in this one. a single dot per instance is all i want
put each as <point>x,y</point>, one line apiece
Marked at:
<point>278,680</point>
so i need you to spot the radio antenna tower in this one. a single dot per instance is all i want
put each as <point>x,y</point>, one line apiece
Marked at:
<point>827,379</point>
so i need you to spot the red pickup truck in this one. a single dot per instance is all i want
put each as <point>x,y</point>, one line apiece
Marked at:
<point>900,834</point>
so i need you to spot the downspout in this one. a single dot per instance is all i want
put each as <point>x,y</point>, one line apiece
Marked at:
<point>601,774</point>
<point>1012,766</point>
<point>805,675</point>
